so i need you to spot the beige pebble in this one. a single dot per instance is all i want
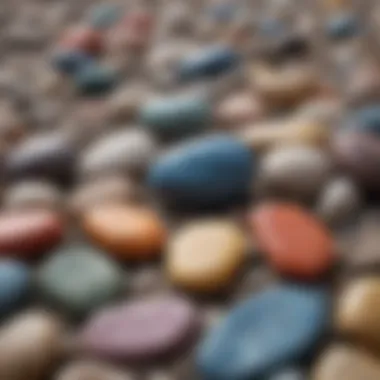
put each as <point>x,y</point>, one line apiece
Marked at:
<point>92,371</point>
<point>339,201</point>
<point>205,256</point>
<point>106,189</point>
<point>284,86</point>
<point>283,171</point>
<point>343,362</point>
<point>32,194</point>
<point>358,312</point>
<point>30,345</point>
<point>11,124</point>
<point>298,131</point>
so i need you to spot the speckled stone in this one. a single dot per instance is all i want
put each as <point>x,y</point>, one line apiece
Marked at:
<point>205,255</point>
<point>122,151</point>
<point>94,280</point>
<point>297,315</point>
<point>30,345</point>
<point>344,362</point>
<point>143,330</point>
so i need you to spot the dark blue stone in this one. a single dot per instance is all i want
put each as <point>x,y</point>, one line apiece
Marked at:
<point>210,62</point>
<point>272,330</point>
<point>342,26</point>
<point>207,172</point>
<point>70,61</point>
<point>367,119</point>
<point>14,285</point>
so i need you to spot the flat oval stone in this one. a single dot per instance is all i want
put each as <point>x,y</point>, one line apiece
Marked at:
<point>143,330</point>
<point>94,279</point>
<point>29,233</point>
<point>206,255</point>
<point>283,171</point>
<point>70,61</point>
<point>84,370</point>
<point>128,232</point>
<point>342,26</point>
<point>367,119</point>
<point>344,362</point>
<point>32,194</point>
<point>51,156</point>
<point>270,330</point>
<point>339,201</point>
<point>15,281</point>
<point>122,151</point>
<point>359,155</point>
<point>109,189</point>
<point>213,171</point>
<point>104,16</point>
<point>358,314</point>
<point>176,116</point>
<point>30,345</point>
<point>295,243</point>
<point>210,62</point>
<point>84,39</point>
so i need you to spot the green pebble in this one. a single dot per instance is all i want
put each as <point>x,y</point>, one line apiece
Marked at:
<point>79,279</point>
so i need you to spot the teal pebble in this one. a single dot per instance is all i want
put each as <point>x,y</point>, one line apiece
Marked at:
<point>78,279</point>
<point>367,119</point>
<point>271,330</point>
<point>104,16</point>
<point>176,117</point>
<point>94,79</point>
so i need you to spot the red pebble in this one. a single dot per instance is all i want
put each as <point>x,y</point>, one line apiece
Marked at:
<point>84,39</point>
<point>295,243</point>
<point>29,233</point>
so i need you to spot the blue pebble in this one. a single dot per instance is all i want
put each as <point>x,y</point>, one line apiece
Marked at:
<point>222,12</point>
<point>208,172</point>
<point>271,28</point>
<point>70,62</point>
<point>367,119</point>
<point>14,285</point>
<point>176,117</point>
<point>104,16</point>
<point>342,26</point>
<point>210,62</point>
<point>95,79</point>
<point>267,332</point>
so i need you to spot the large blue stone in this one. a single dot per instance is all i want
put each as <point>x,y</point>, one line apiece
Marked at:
<point>14,285</point>
<point>268,332</point>
<point>70,61</point>
<point>342,26</point>
<point>210,62</point>
<point>206,172</point>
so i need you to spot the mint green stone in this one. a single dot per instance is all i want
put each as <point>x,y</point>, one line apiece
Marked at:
<point>79,279</point>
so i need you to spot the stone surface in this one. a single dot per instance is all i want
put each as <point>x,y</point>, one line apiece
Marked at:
<point>143,330</point>
<point>358,314</point>
<point>283,171</point>
<point>128,232</point>
<point>127,151</point>
<point>294,242</point>
<point>29,233</point>
<point>269,330</point>
<point>343,362</point>
<point>210,172</point>
<point>30,345</point>
<point>205,255</point>
<point>79,279</point>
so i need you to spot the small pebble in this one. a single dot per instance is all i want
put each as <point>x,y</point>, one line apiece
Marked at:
<point>30,345</point>
<point>70,61</point>
<point>269,330</point>
<point>15,282</point>
<point>342,26</point>
<point>104,16</point>
<point>358,314</point>
<point>344,362</point>
<point>205,256</point>
<point>367,119</point>
<point>289,374</point>
<point>93,282</point>
<point>29,233</point>
<point>295,243</point>
<point>143,330</point>
<point>209,172</point>
<point>128,232</point>
<point>83,38</point>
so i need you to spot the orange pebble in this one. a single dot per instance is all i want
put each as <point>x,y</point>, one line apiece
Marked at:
<point>84,39</point>
<point>129,232</point>
<point>295,243</point>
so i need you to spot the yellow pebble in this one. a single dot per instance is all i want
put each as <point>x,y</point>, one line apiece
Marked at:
<point>205,256</point>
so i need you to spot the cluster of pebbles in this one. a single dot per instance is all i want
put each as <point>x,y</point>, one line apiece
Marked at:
<point>189,190</point>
